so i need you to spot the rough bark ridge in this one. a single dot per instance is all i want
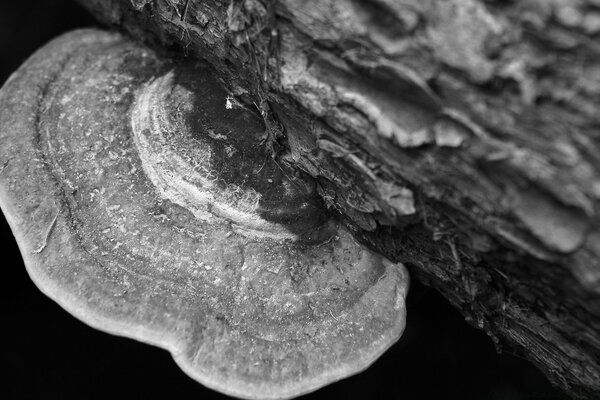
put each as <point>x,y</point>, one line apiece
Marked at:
<point>460,137</point>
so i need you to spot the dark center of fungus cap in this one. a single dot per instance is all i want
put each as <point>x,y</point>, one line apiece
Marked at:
<point>186,126</point>
<point>148,209</point>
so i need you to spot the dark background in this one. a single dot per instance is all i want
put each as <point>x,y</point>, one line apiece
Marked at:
<point>47,353</point>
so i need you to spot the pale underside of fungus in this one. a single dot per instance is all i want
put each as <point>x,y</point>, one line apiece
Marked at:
<point>145,203</point>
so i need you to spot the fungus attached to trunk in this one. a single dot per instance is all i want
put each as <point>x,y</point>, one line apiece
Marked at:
<point>147,208</point>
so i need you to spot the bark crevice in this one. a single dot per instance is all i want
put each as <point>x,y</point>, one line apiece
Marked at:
<point>459,137</point>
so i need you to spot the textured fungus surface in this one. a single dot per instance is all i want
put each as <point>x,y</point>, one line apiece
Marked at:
<point>459,137</point>
<point>209,157</point>
<point>132,187</point>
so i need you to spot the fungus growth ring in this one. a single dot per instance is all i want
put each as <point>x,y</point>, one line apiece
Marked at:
<point>148,209</point>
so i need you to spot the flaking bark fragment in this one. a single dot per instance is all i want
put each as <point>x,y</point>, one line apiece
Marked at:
<point>505,73</point>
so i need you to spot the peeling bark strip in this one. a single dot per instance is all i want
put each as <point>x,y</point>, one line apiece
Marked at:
<point>460,137</point>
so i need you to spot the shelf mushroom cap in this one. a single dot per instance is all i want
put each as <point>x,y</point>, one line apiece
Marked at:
<point>148,209</point>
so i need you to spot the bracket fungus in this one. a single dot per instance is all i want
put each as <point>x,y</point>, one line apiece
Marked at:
<point>147,208</point>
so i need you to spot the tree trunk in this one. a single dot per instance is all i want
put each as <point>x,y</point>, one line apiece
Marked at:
<point>459,137</point>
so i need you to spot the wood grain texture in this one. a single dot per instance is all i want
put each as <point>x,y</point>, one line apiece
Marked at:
<point>459,137</point>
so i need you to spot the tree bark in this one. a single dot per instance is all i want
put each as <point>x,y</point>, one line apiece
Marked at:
<point>459,137</point>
